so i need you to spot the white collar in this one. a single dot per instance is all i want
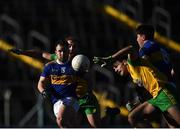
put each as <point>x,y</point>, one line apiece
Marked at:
<point>59,62</point>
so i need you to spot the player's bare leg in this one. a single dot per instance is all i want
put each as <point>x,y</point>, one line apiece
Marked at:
<point>94,120</point>
<point>136,117</point>
<point>67,117</point>
<point>174,112</point>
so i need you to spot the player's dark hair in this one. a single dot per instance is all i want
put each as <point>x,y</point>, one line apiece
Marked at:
<point>62,42</point>
<point>121,58</point>
<point>73,39</point>
<point>147,30</point>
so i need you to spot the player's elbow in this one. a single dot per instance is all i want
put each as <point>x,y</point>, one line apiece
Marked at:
<point>46,55</point>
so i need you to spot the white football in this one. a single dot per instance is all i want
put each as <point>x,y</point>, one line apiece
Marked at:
<point>80,63</point>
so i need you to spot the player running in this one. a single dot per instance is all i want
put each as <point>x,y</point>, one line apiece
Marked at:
<point>153,52</point>
<point>89,106</point>
<point>144,74</point>
<point>60,75</point>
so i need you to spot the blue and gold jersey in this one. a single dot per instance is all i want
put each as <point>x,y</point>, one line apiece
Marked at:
<point>158,56</point>
<point>144,74</point>
<point>63,81</point>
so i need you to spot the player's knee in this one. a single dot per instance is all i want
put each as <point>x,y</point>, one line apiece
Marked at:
<point>131,119</point>
<point>59,121</point>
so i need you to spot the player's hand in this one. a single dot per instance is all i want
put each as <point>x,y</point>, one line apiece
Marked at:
<point>131,106</point>
<point>16,51</point>
<point>103,61</point>
<point>45,94</point>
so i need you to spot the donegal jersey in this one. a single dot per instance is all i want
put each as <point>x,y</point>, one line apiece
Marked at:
<point>63,81</point>
<point>158,56</point>
<point>145,74</point>
<point>83,84</point>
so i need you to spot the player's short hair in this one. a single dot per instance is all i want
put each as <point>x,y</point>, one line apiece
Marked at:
<point>62,42</point>
<point>74,39</point>
<point>147,30</point>
<point>119,59</point>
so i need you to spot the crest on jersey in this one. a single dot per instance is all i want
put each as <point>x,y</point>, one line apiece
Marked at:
<point>63,69</point>
<point>54,70</point>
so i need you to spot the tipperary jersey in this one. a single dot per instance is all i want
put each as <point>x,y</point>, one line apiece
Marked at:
<point>145,74</point>
<point>158,56</point>
<point>82,82</point>
<point>63,81</point>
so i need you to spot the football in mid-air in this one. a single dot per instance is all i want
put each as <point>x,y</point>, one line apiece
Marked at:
<point>80,63</point>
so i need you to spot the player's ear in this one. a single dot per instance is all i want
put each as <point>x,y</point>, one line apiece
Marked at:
<point>124,62</point>
<point>143,37</point>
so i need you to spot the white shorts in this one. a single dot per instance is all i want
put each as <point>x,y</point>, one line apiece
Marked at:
<point>68,101</point>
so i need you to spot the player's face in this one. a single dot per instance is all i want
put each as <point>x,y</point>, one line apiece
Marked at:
<point>72,48</point>
<point>62,53</point>
<point>120,68</point>
<point>140,39</point>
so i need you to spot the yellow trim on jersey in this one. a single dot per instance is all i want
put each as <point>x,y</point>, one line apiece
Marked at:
<point>144,74</point>
<point>82,87</point>
<point>62,79</point>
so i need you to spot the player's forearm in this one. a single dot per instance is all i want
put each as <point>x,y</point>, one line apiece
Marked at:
<point>32,53</point>
<point>43,54</point>
<point>41,86</point>
<point>46,55</point>
<point>109,59</point>
<point>123,51</point>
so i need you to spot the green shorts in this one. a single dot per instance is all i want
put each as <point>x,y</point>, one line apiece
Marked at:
<point>165,99</point>
<point>88,104</point>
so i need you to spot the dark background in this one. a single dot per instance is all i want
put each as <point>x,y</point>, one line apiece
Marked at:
<point>99,35</point>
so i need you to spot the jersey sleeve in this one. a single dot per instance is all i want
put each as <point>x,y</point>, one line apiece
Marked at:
<point>53,57</point>
<point>148,49</point>
<point>46,71</point>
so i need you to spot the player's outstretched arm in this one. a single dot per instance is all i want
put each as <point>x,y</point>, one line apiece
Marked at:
<point>33,53</point>
<point>103,61</point>
<point>16,51</point>
<point>123,51</point>
<point>49,56</point>
<point>106,60</point>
